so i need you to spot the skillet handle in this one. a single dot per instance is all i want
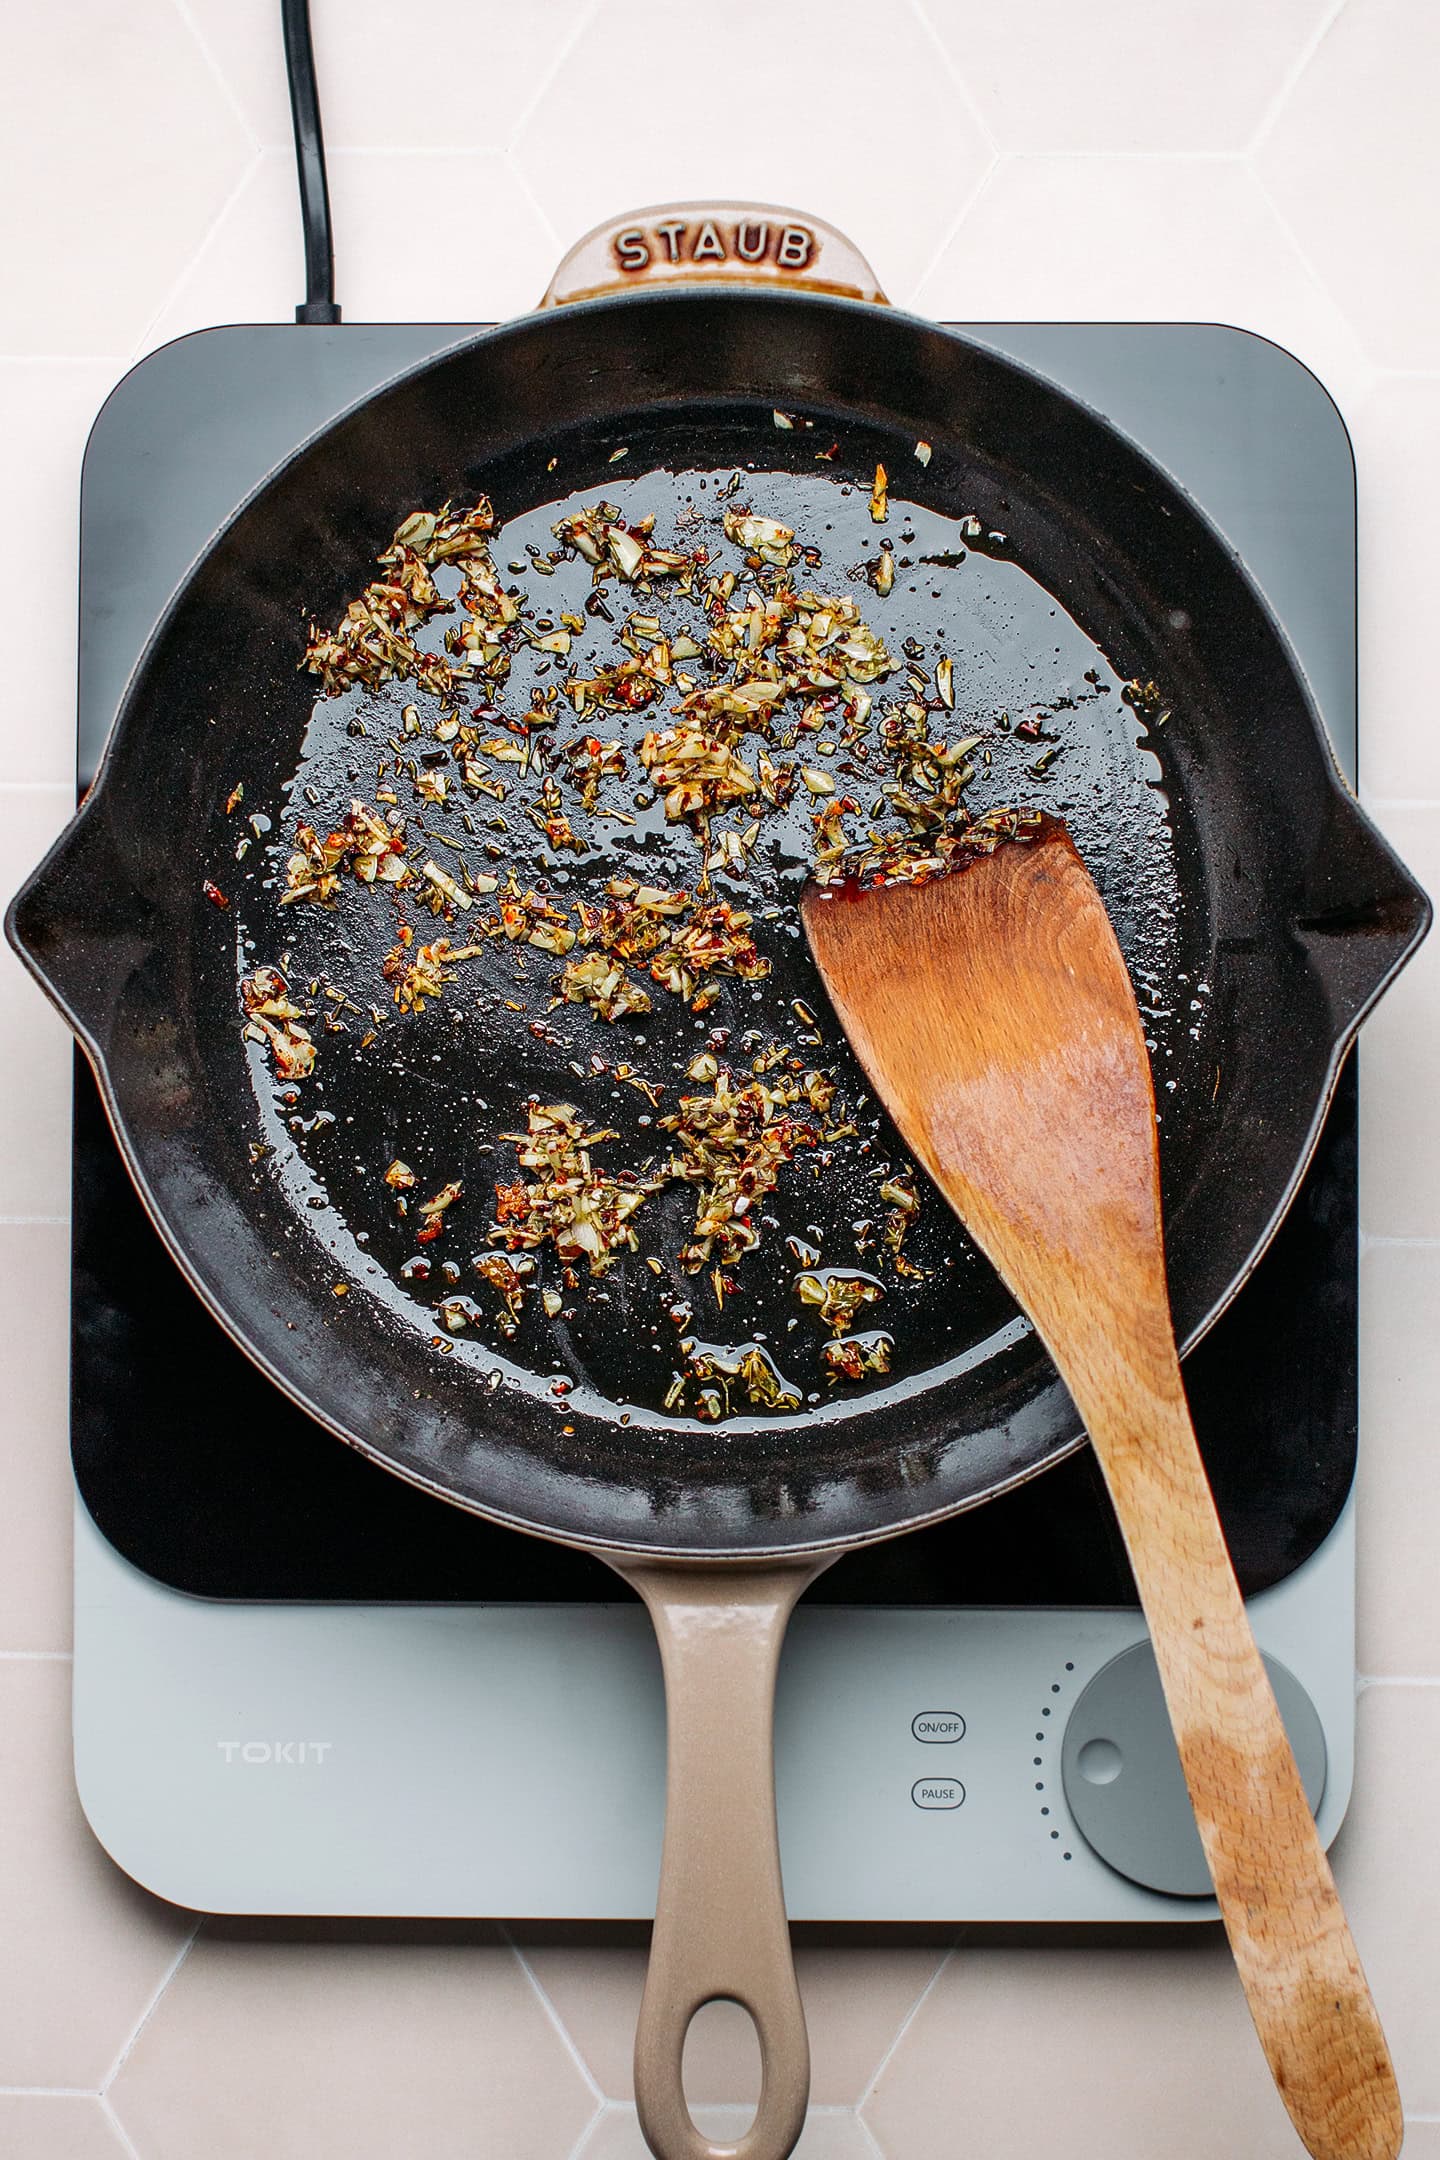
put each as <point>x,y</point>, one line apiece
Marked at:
<point>713,243</point>
<point>720,1929</point>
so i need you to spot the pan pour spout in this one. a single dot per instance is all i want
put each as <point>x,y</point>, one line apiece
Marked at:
<point>82,928</point>
<point>1362,916</point>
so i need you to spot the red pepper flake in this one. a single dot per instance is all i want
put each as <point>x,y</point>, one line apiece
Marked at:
<point>214,895</point>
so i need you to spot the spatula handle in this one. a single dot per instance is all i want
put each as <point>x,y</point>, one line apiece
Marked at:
<point>1301,1973</point>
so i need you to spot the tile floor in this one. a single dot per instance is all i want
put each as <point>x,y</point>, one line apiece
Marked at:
<point>1276,167</point>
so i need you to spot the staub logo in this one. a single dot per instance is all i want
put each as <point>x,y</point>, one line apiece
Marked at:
<point>274,1751</point>
<point>751,240</point>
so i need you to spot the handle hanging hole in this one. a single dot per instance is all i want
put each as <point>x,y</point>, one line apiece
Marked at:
<point>720,2067</point>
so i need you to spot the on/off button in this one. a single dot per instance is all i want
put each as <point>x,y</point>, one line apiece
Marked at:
<point>935,1727</point>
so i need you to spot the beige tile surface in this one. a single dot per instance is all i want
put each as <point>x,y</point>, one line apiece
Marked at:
<point>84,1949</point>
<point>1099,2054</point>
<point>1400,1065</point>
<point>1137,74</point>
<point>390,264</point>
<point>380,89</point>
<point>855,2001</point>
<point>46,2127</point>
<point>1387,1863</point>
<point>1396,432</point>
<point>763,151</point>
<point>1399,1492</point>
<point>1368,87</point>
<point>616,2135</point>
<point>147,141</point>
<point>35,1053</point>
<point>35,1518</point>
<point>385,2051</point>
<point>40,472</point>
<point>122,146</point>
<point>1126,239</point>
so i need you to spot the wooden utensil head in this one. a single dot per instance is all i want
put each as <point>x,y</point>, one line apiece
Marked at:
<point>992,1011</point>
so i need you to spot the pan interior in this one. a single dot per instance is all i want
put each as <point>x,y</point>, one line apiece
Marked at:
<point>439,1089</point>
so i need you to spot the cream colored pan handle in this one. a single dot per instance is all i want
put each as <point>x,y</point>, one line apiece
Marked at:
<point>713,243</point>
<point>720,1929</point>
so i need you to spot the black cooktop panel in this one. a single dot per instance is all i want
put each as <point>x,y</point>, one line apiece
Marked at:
<point>203,1475</point>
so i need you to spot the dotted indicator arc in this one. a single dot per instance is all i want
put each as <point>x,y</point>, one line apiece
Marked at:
<point>1045,1733</point>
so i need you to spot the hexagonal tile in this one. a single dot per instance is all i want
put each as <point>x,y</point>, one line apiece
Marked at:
<point>46,407</point>
<point>34,1372</point>
<point>1353,160</point>
<point>831,106</point>
<point>293,2049</point>
<point>461,81</point>
<point>398,254</point>
<point>1388,1867</point>
<point>1400,1046</point>
<point>34,1040</point>
<point>1112,239</point>
<point>1134,2052</point>
<point>1399,1492</point>
<point>1396,432</point>
<point>838,2136</point>
<point>1132,75</point>
<point>105,228</point>
<point>49,2126</point>
<point>84,1948</point>
<point>855,2003</point>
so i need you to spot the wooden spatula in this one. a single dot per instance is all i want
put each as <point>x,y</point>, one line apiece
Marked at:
<point>993,1014</point>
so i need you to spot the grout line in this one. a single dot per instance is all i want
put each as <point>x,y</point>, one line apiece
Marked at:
<point>606,2107</point>
<point>869,2135</point>
<point>906,2022</point>
<point>552,2013</point>
<point>127,2143</point>
<point>34,1222</point>
<point>522,182</point>
<point>967,205</point>
<point>922,15</point>
<point>221,77</point>
<point>48,2092</point>
<point>60,360</point>
<point>1128,157</point>
<point>547,75</point>
<point>417,153</point>
<point>149,2010</point>
<point>36,1657</point>
<point>142,346</point>
<point>1416,1680</point>
<point>1292,76</point>
<point>1369,1239</point>
<point>1317,281</point>
<point>38,787</point>
<point>1402,802</point>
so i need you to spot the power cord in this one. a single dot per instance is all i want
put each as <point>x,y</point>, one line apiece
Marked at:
<point>319,304</point>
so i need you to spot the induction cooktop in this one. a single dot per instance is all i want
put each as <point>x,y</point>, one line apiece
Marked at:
<point>278,1646</point>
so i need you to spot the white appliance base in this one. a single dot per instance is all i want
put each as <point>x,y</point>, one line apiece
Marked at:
<point>508,1760</point>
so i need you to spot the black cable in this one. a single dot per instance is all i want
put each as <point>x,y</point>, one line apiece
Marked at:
<point>319,303</point>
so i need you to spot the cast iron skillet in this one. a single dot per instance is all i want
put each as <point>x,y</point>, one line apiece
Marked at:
<point>1290,903</point>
